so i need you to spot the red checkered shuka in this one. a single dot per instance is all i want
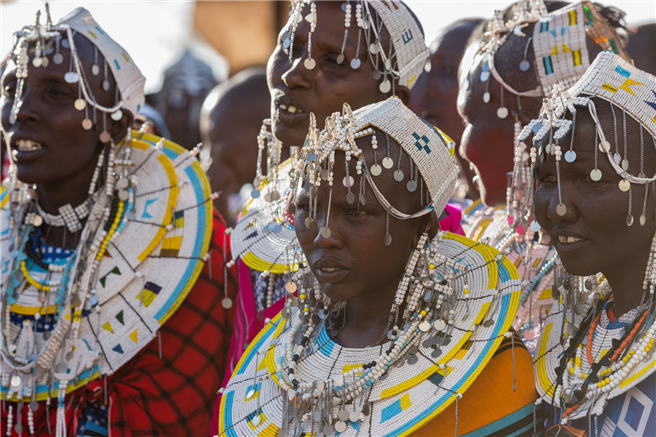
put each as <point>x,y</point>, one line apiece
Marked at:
<point>174,395</point>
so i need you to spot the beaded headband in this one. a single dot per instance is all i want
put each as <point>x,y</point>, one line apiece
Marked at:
<point>408,52</point>
<point>426,147</point>
<point>51,38</point>
<point>558,43</point>
<point>613,79</point>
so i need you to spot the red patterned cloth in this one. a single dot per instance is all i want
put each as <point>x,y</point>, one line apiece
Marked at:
<point>170,396</point>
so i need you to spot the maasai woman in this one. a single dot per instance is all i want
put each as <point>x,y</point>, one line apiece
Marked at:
<point>517,63</point>
<point>389,327</point>
<point>595,364</point>
<point>327,54</point>
<point>108,324</point>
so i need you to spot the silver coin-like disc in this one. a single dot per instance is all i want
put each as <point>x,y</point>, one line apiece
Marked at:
<point>388,162</point>
<point>547,149</point>
<point>123,195</point>
<point>629,220</point>
<point>388,64</point>
<point>578,309</point>
<point>325,232</point>
<point>424,326</point>
<point>643,219</point>
<point>355,63</point>
<point>340,58</point>
<point>105,85</point>
<point>350,182</point>
<point>385,86</point>
<point>485,75</point>
<point>502,112</point>
<point>374,49</point>
<point>45,62</point>
<point>65,44</point>
<point>604,146</point>
<point>275,195</point>
<point>255,193</point>
<point>595,174</point>
<point>486,97</point>
<point>625,164</point>
<point>310,63</point>
<point>116,116</point>
<point>412,359</point>
<point>561,209</point>
<point>411,186</point>
<point>105,137</point>
<point>376,170</point>
<point>617,158</point>
<point>37,62</point>
<point>87,124</point>
<point>250,394</point>
<point>291,287</point>
<point>286,43</point>
<point>267,197</point>
<point>343,414</point>
<point>80,104</point>
<point>58,58</point>
<point>350,198</point>
<point>311,157</point>
<point>436,353</point>
<point>95,70</point>
<point>308,222</point>
<point>439,324</point>
<point>328,430</point>
<point>325,174</point>
<point>37,220</point>
<point>377,74</point>
<point>398,175</point>
<point>227,303</point>
<point>354,416</point>
<point>488,323</point>
<point>570,156</point>
<point>71,77</point>
<point>641,175</point>
<point>529,334</point>
<point>387,240</point>
<point>624,185</point>
<point>524,65</point>
<point>256,420</point>
<point>535,226</point>
<point>363,199</point>
<point>34,406</point>
<point>340,426</point>
<point>16,381</point>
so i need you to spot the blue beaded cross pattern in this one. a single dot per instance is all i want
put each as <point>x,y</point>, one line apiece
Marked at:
<point>419,141</point>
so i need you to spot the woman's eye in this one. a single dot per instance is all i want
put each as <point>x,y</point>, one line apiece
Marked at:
<point>356,212</point>
<point>9,90</point>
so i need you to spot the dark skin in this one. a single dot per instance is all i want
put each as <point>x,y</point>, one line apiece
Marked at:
<point>368,271</point>
<point>63,168</point>
<point>641,47</point>
<point>597,211</point>
<point>488,141</point>
<point>324,89</point>
<point>230,121</point>
<point>434,97</point>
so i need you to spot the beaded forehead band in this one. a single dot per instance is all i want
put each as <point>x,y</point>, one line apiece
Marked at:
<point>558,44</point>
<point>50,39</point>
<point>427,149</point>
<point>613,79</point>
<point>408,52</point>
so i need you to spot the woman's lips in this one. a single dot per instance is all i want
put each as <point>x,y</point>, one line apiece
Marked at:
<point>290,115</point>
<point>331,275</point>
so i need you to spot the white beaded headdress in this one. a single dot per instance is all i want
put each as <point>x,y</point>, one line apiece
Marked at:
<point>50,39</point>
<point>427,148</point>
<point>613,79</point>
<point>404,61</point>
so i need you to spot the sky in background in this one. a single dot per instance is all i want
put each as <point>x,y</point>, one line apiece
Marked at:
<point>156,33</point>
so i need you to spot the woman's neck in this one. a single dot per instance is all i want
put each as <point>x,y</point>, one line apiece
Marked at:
<point>626,281</point>
<point>366,319</point>
<point>53,195</point>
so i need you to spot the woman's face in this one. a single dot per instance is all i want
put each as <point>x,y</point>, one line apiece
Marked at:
<point>353,262</point>
<point>593,235</point>
<point>324,89</point>
<point>48,118</point>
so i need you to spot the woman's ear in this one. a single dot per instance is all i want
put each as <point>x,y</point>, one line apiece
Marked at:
<point>117,129</point>
<point>429,224</point>
<point>403,93</point>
